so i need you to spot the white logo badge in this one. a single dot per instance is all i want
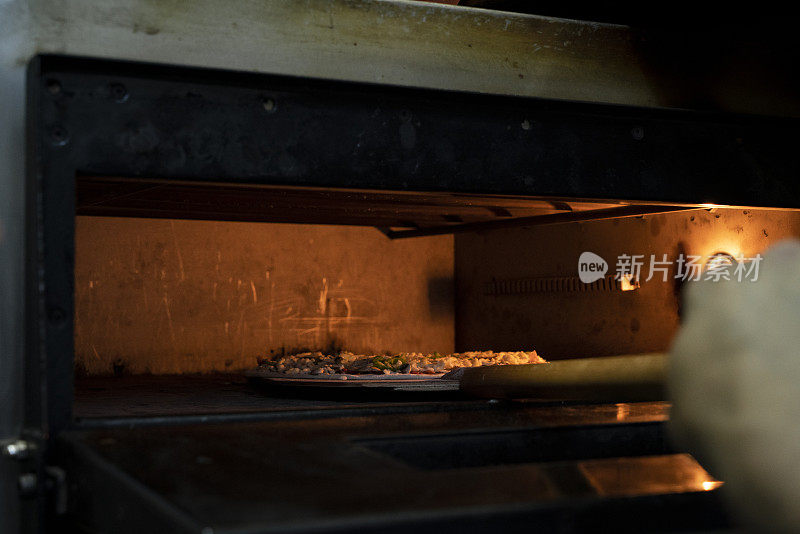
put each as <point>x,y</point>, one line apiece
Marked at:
<point>591,267</point>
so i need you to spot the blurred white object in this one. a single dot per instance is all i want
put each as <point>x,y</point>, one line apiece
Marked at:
<point>735,387</point>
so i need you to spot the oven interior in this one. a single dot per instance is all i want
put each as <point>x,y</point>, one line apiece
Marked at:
<point>173,304</point>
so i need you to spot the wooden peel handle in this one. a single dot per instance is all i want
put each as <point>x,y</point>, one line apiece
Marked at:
<point>616,378</point>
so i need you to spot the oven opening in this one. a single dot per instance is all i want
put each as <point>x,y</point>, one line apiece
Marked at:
<point>183,290</point>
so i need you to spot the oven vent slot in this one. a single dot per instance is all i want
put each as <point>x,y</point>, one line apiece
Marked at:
<point>553,284</point>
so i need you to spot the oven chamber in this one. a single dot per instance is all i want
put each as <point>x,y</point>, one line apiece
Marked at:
<point>185,222</point>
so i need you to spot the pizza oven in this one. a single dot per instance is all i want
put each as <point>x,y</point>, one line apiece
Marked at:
<point>186,225</point>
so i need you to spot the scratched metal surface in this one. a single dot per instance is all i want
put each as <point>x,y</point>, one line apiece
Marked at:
<point>600,323</point>
<point>170,296</point>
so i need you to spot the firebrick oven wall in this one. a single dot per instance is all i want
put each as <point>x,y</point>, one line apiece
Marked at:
<point>568,324</point>
<point>179,296</point>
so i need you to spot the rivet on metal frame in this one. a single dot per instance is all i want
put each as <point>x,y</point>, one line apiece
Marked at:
<point>118,92</point>
<point>53,87</point>
<point>59,135</point>
<point>269,104</point>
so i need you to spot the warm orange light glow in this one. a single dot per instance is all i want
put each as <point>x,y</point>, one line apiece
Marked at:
<point>628,283</point>
<point>719,260</point>
<point>726,244</point>
<point>709,485</point>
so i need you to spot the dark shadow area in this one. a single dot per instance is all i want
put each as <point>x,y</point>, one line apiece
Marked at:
<point>480,449</point>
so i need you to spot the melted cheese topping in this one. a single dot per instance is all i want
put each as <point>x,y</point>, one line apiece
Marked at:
<point>318,363</point>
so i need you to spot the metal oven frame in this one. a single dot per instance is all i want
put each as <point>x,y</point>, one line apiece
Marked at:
<point>185,126</point>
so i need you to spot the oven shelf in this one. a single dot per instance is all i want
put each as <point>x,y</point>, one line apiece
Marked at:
<point>176,395</point>
<point>159,399</point>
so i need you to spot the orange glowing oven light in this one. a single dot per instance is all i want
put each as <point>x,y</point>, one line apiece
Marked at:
<point>627,282</point>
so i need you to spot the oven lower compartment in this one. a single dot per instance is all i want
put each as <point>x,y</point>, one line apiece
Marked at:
<point>475,467</point>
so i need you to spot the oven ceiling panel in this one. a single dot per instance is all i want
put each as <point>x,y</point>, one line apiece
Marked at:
<point>106,196</point>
